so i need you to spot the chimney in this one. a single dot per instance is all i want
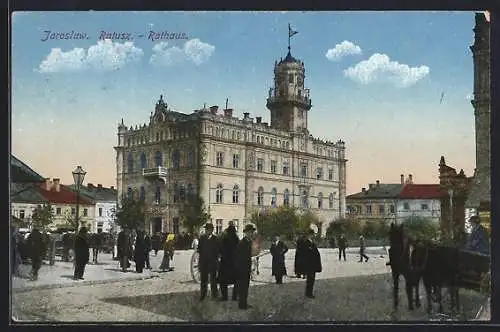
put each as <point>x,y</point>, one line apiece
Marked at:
<point>258,119</point>
<point>228,112</point>
<point>99,186</point>
<point>378,183</point>
<point>402,179</point>
<point>363,189</point>
<point>57,184</point>
<point>410,179</point>
<point>370,186</point>
<point>47,184</point>
<point>90,185</point>
<point>214,109</point>
<point>112,187</point>
<point>246,115</point>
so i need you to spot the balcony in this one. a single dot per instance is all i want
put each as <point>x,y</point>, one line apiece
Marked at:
<point>302,100</point>
<point>159,172</point>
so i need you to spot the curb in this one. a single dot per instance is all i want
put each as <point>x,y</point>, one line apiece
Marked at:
<point>83,283</point>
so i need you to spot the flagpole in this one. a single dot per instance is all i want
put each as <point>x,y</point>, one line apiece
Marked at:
<point>289,29</point>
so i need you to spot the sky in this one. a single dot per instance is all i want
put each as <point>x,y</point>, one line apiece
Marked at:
<point>395,86</point>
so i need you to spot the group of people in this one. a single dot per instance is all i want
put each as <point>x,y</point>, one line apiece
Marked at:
<point>342,245</point>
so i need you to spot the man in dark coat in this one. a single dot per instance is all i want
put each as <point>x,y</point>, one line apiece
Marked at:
<point>208,261</point>
<point>227,269</point>
<point>147,249</point>
<point>139,249</point>
<point>81,253</point>
<point>342,246</point>
<point>479,239</point>
<point>37,250</point>
<point>156,243</point>
<point>312,262</point>
<point>97,245</point>
<point>278,251</point>
<point>243,263</point>
<point>123,245</point>
<point>299,258</point>
<point>362,247</point>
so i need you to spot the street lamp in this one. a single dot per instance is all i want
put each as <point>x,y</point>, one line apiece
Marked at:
<point>450,192</point>
<point>78,176</point>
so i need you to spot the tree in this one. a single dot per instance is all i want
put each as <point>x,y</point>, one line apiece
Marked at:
<point>304,221</point>
<point>420,228</point>
<point>42,216</point>
<point>131,213</point>
<point>193,214</point>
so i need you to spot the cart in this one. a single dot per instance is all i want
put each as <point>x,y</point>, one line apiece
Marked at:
<point>474,271</point>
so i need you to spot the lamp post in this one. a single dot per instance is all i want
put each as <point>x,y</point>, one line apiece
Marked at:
<point>78,176</point>
<point>450,192</point>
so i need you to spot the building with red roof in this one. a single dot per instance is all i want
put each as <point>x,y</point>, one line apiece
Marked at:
<point>421,201</point>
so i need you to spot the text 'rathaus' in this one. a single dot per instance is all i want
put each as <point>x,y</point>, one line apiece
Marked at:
<point>237,166</point>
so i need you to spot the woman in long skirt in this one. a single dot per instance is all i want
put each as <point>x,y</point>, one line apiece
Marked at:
<point>168,253</point>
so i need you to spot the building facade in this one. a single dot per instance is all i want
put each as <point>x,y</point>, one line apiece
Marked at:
<point>236,165</point>
<point>421,201</point>
<point>104,200</point>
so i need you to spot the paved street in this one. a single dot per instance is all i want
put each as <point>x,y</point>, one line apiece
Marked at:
<point>344,291</point>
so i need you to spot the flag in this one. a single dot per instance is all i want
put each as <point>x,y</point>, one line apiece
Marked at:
<point>291,32</point>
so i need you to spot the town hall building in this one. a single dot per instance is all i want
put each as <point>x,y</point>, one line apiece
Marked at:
<point>238,166</point>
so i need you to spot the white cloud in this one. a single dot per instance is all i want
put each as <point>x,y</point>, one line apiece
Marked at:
<point>380,68</point>
<point>341,50</point>
<point>193,50</point>
<point>105,55</point>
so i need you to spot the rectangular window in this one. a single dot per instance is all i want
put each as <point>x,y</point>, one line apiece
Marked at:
<point>73,211</point>
<point>286,168</point>
<point>218,226</point>
<point>85,212</point>
<point>330,174</point>
<point>424,207</point>
<point>100,212</point>
<point>21,214</point>
<point>220,159</point>
<point>260,164</point>
<point>175,225</point>
<point>368,209</point>
<point>273,166</point>
<point>406,206</point>
<point>319,173</point>
<point>58,211</point>
<point>303,170</point>
<point>381,209</point>
<point>236,160</point>
<point>392,209</point>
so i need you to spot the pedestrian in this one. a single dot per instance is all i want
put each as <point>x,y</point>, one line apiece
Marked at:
<point>362,247</point>
<point>123,245</point>
<point>479,239</point>
<point>208,248</point>
<point>342,243</point>
<point>278,251</point>
<point>81,253</point>
<point>156,243</point>
<point>312,262</point>
<point>37,250</point>
<point>243,260</point>
<point>227,268</point>
<point>168,252</point>
<point>139,250</point>
<point>299,259</point>
<point>97,245</point>
<point>147,249</point>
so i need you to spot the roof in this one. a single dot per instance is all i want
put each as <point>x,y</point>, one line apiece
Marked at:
<point>99,194</point>
<point>26,193</point>
<point>64,196</point>
<point>422,191</point>
<point>289,58</point>
<point>20,172</point>
<point>382,190</point>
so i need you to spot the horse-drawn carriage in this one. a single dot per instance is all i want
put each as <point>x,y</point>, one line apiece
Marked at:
<point>474,271</point>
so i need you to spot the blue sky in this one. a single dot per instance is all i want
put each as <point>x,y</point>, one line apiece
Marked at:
<point>379,88</point>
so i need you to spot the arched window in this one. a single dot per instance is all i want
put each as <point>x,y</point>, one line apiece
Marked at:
<point>144,161</point>
<point>236,193</point>
<point>182,192</point>
<point>274,194</point>
<point>330,201</point>
<point>158,159</point>
<point>190,159</point>
<point>190,193</point>
<point>260,196</point>
<point>304,199</point>
<point>286,198</point>
<point>130,163</point>
<point>142,194</point>
<point>130,193</point>
<point>219,194</point>
<point>158,195</point>
<point>176,159</point>
<point>320,200</point>
<point>176,193</point>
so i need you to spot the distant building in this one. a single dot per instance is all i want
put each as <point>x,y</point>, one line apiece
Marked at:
<point>105,206</point>
<point>421,201</point>
<point>237,166</point>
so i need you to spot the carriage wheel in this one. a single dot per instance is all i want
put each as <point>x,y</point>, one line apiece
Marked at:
<point>195,272</point>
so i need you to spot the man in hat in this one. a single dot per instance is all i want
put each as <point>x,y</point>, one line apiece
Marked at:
<point>208,248</point>
<point>243,262</point>
<point>278,250</point>
<point>312,262</point>
<point>478,239</point>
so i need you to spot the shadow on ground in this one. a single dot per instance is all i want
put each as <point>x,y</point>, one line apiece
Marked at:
<point>364,298</point>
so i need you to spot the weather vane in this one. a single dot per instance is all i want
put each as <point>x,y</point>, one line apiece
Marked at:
<point>290,34</point>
